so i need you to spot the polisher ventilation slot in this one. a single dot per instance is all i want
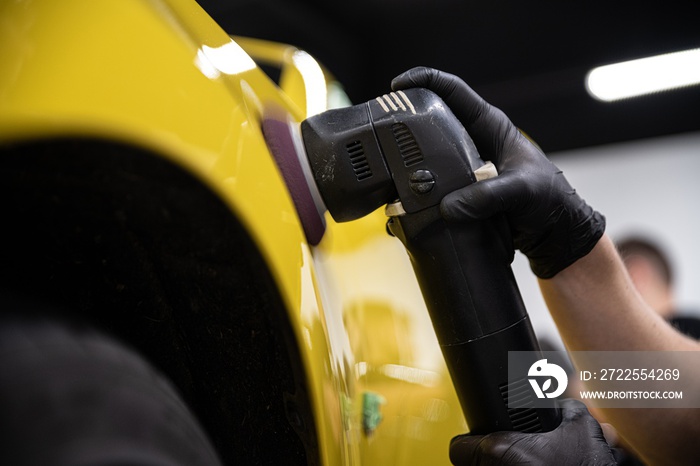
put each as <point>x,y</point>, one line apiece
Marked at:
<point>525,418</point>
<point>358,160</point>
<point>408,147</point>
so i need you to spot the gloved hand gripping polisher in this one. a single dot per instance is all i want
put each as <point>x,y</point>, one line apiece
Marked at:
<point>407,150</point>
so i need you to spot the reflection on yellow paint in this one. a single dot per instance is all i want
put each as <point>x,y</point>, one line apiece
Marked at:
<point>411,374</point>
<point>227,59</point>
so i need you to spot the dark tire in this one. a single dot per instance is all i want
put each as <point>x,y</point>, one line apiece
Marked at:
<point>71,396</point>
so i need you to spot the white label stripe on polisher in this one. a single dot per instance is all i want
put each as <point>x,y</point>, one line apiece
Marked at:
<point>388,100</point>
<point>398,101</point>
<point>408,102</point>
<point>381,102</point>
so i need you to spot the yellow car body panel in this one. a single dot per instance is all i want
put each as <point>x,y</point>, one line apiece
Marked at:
<point>161,75</point>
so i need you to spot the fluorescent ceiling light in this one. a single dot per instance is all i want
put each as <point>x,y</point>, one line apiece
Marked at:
<point>644,76</point>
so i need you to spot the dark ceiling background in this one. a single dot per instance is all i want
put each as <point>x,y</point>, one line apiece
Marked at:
<point>529,58</point>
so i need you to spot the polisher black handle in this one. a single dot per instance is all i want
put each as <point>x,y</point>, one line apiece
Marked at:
<point>478,315</point>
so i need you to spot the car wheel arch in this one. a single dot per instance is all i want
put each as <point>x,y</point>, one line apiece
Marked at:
<point>119,235</point>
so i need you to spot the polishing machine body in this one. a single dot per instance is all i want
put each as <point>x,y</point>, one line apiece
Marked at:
<point>407,150</point>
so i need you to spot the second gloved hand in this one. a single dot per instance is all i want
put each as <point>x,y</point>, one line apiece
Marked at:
<point>550,223</point>
<point>578,441</point>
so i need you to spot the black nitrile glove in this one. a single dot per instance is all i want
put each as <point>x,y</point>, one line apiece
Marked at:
<point>578,441</point>
<point>549,222</point>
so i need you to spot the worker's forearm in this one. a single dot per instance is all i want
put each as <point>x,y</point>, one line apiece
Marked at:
<point>596,308</point>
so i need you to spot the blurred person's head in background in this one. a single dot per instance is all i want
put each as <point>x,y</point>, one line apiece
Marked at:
<point>651,272</point>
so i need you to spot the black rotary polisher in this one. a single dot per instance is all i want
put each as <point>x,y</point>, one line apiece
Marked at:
<point>407,150</point>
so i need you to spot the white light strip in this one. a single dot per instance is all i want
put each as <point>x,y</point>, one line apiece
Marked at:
<point>644,76</point>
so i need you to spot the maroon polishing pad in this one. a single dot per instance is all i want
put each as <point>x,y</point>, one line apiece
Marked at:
<point>278,136</point>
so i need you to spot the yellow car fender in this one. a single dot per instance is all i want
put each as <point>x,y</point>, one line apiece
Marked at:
<point>161,76</point>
